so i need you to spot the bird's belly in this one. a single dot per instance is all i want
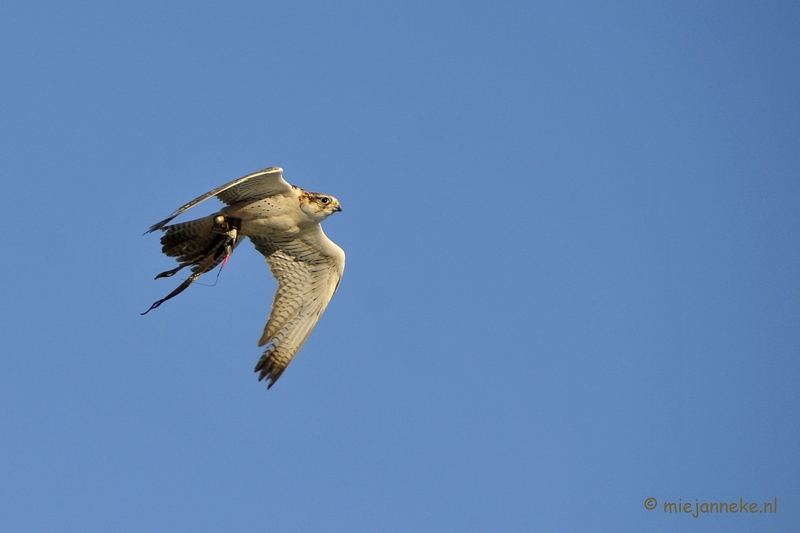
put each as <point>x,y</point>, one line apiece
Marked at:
<point>276,225</point>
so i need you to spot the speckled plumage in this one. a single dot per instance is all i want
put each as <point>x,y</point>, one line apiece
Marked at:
<point>283,222</point>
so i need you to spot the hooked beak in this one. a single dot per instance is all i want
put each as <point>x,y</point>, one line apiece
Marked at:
<point>338,208</point>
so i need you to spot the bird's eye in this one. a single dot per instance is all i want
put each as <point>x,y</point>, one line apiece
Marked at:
<point>325,200</point>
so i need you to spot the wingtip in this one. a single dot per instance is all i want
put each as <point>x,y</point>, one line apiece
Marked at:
<point>268,370</point>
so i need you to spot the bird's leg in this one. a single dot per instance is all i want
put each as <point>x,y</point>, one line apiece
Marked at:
<point>229,227</point>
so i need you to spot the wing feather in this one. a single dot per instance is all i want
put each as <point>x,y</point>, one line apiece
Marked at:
<point>260,184</point>
<point>308,270</point>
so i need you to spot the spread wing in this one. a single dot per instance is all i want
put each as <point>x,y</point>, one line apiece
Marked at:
<point>260,184</point>
<point>308,269</point>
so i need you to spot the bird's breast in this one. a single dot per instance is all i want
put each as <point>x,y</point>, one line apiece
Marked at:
<point>273,216</point>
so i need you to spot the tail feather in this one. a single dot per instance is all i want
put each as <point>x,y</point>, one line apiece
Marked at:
<point>196,244</point>
<point>186,240</point>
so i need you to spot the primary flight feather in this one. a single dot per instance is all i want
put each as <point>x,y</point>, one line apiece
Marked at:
<point>283,222</point>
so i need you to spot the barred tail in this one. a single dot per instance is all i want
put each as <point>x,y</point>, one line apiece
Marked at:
<point>186,240</point>
<point>196,244</point>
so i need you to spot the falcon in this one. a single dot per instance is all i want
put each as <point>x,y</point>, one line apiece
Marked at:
<point>283,222</point>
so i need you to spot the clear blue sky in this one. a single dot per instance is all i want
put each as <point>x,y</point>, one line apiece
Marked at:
<point>573,266</point>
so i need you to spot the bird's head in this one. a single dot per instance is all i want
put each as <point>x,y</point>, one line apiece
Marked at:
<point>319,206</point>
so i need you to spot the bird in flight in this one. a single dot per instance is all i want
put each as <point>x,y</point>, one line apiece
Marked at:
<point>283,222</point>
